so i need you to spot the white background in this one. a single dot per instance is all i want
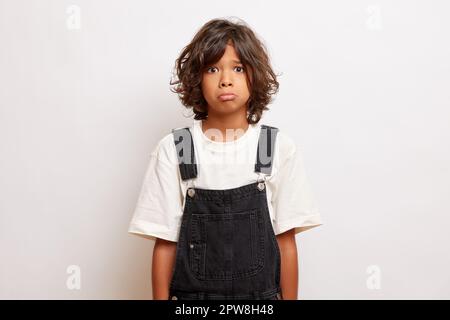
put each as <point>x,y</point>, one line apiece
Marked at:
<point>85,96</point>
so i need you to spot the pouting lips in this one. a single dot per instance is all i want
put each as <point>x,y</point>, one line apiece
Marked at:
<point>227,97</point>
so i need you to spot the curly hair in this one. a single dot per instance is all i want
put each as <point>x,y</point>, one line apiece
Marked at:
<point>207,47</point>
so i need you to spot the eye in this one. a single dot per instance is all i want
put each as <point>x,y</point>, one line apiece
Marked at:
<point>207,69</point>
<point>242,69</point>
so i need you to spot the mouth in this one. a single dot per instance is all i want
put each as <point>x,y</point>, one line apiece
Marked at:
<point>227,96</point>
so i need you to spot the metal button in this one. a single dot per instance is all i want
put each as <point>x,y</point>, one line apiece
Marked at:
<point>191,192</point>
<point>278,296</point>
<point>191,245</point>
<point>174,298</point>
<point>261,186</point>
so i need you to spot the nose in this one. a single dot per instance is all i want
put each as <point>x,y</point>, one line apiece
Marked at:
<point>225,80</point>
<point>225,83</point>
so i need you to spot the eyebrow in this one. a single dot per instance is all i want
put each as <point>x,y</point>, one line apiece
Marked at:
<point>234,61</point>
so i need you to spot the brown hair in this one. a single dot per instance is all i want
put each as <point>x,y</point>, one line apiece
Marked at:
<point>207,47</point>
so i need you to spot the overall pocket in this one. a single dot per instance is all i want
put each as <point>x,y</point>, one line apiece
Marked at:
<point>226,246</point>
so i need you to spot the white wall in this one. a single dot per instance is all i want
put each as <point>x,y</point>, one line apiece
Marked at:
<point>364,90</point>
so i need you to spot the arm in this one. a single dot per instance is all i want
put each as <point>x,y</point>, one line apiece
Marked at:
<point>289,264</point>
<point>163,260</point>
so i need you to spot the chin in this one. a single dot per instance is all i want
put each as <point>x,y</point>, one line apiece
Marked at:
<point>227,108</point>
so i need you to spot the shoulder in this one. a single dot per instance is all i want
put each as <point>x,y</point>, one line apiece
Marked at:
<point>285,150</point>
<point>165,150</point>
<point>285,145</point>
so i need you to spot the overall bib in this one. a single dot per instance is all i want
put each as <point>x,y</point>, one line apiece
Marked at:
<point>227,247</point>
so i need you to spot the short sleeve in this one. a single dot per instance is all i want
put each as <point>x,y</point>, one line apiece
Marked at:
<point>158,210</point>
<point>292,198</point>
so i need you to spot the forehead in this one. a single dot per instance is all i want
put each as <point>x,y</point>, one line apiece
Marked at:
<point>230,55</point>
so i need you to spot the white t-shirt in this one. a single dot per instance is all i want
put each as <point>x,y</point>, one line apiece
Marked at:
<point>223,165</point>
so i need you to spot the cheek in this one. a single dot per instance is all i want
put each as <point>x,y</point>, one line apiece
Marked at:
<point>207,86</point>
<point>244,86</point>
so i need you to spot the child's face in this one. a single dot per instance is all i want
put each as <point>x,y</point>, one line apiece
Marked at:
<point>226,76</point>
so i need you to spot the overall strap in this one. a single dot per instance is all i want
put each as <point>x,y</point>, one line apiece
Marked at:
<point>266,149</point>
<point>184,146</point>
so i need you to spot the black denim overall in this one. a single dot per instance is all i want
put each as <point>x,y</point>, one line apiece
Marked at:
<point>227,247</point>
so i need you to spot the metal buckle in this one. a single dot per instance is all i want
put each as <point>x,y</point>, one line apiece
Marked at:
<point>190,188</point>
<point>261,181</point>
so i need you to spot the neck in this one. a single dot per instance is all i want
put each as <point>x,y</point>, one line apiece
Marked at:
<point>231,126</point>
